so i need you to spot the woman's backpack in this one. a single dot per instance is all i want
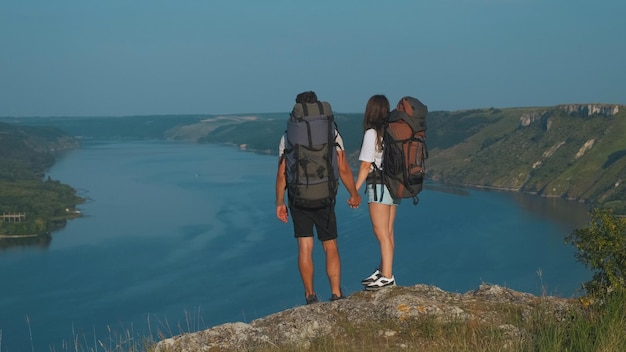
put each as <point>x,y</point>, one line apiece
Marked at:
<point>404,149</point>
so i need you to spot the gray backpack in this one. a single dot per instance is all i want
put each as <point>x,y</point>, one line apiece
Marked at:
<point>311,158</point>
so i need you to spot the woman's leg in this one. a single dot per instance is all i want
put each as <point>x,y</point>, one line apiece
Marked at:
<point>392,219</point>
<point>381,216</point>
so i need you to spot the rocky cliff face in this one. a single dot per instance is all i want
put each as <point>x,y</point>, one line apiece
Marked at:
<point>591,109</point>
<point>391,312</point>
<point>526,119</point>
<point>585,110</point>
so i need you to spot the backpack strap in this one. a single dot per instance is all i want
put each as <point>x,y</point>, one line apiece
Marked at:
<point>320,107</point>
<point>308,131</point>
<point>335,143</point>
<point>332,178</point>
<point>375,177</point>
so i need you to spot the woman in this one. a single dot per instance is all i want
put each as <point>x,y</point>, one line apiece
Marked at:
<point>382,207</point>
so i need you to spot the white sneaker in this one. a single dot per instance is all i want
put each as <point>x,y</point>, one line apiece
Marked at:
<point>380,283</point>
<point>368,280</point>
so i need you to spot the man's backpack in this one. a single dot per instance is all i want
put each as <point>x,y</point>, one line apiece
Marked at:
<point>404,149</point>
<point>311,159</point>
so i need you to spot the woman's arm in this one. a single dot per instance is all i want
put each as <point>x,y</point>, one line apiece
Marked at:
<point>364,170</point>
<point>367,156</point>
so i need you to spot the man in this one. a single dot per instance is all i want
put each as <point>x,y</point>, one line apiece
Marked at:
<point>322,218</point>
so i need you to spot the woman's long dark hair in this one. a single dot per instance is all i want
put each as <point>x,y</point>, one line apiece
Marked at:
<point>376,113</point>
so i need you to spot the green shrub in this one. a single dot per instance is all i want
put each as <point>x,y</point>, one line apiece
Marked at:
<point>601,247</point>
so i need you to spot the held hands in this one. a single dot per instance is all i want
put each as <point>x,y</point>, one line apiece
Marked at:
<point>281,213</point>
<point>354,200</point>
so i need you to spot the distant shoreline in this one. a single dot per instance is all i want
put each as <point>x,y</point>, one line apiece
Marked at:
<point>24,236</point>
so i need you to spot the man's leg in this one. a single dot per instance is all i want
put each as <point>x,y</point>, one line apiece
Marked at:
<point>305,263</point>
<point>333,266</point>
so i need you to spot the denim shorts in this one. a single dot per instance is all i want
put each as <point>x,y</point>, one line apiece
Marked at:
<point>386,198</point>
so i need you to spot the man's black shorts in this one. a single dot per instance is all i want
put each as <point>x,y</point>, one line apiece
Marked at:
<point>323,219</point>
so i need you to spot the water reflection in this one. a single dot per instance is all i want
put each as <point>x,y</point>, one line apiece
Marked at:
<point>439,187</point>
<point>38,241</point>
<point>571,213</point>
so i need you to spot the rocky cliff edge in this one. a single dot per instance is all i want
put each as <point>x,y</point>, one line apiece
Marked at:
<point>390,311</point>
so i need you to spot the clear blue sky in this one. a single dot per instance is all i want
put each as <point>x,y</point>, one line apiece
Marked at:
<point>141,57</point>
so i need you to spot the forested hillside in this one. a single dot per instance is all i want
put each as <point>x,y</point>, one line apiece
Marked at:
<point>30,205</point>
<point>574,151</point>
<point>571,151</point>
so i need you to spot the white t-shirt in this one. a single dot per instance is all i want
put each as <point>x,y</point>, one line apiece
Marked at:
<point>281,146</point>
<point>369,152</point>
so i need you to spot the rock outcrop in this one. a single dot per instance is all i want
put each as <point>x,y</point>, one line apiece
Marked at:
<point>299,326</point>
<point>526,119</point>
<point>591,109</point>
<point>585,110</point>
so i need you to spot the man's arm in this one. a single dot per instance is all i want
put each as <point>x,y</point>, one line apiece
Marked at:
<point>345,173</point>
<point>281,183</point>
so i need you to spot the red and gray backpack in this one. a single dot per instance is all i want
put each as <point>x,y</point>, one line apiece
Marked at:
<point>404,149</point>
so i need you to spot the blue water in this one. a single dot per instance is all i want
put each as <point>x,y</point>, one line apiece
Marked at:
<point>180,237</point>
